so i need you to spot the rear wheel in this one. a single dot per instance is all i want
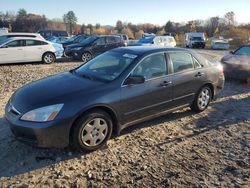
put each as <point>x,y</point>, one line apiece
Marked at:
<point>86,56</point>
<point>202,99</point>
<point>48,58</point>
<point>91,131</point>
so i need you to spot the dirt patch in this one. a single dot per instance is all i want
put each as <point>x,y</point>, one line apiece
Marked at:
<point>181,149</point>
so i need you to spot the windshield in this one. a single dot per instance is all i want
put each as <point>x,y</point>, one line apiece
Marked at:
<point>81,39</point>
<point>89,40</point>
<point>3,37</point>
<point>4,41</point>
<point>146,40</point>
<point>245,50</point>
<point>71,39</point>
<point>197,38</point>
<point>106,67</point>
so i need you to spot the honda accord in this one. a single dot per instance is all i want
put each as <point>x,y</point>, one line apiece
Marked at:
<point>122,87</point>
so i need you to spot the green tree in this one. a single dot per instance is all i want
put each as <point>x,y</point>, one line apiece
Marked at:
<point>119,26</point>
<point>169,27</point>
<point>90,28</point>
<point>83,29</point>
<point>21,13</point>
<point>70,20</point>
<point>97,26</point>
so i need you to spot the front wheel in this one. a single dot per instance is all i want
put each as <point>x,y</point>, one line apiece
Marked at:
<point>86,56</point>
<point>48,58</point>
<point>202,99</point>
<point>91,131</point>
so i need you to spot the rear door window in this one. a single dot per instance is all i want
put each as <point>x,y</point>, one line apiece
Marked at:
<point>181,61</point>
<point>111,40</point>
<point>32,42</point>
<point>100,41</point>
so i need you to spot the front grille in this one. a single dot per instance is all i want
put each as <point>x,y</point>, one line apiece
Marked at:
<point>11,109</point>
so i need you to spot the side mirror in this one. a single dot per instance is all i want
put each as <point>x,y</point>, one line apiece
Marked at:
<point>135,79</point>
<point>231,52</point>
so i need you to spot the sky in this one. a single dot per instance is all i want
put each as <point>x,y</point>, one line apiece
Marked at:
<point>107,12</point>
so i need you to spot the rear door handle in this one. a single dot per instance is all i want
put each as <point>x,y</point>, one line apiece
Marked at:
<point>165,83</point>
<point>199,74</point>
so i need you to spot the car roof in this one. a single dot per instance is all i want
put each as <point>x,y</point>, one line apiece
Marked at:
<point>26,38</point>
<point>106,35</point>
<point>17,33</point>
<point>144,50</point>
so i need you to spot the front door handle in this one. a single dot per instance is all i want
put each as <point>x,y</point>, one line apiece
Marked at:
<point>165,83</point>
<point>199,74</point>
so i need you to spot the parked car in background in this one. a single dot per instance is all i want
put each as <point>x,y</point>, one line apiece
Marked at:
<point>54,39</point>
<point>220,44</point>
<point>30,35</point>
<point>24,49</point>
<point>167,41</point>
<point>125,38</point>
<point>4,30</point>
<point>75,39</point>
<point>237,63</point>
<point>50,32</point>
<point>93,46</point>
<point>119,88</point>
<point>195,40</point>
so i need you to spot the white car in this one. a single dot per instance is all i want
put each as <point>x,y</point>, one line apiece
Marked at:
<point>23,49</point>
<point>220,44</point>
<point>29,35</point>
<point>167,41</point>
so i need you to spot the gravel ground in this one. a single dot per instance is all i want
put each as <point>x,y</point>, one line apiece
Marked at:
<point>181,149</point>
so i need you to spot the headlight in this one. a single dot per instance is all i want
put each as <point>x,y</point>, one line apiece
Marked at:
<point>47,113</point>
<point>77,48</point>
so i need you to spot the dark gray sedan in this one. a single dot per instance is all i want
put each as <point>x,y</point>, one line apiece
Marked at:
<point>119,88</point>
<point>237,63</point>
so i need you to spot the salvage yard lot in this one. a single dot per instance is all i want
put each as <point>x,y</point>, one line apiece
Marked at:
<point>210,149</point>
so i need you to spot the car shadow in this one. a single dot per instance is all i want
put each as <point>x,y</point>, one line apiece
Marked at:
<point>17,158</point>
<point>222,117</point>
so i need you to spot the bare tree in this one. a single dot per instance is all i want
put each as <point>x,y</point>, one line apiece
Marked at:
<point>230,18</point>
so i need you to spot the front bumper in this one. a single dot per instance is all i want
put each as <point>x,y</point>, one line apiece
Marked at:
<point>72,53</point>
<point>41,134</point>
<point>198,44</point>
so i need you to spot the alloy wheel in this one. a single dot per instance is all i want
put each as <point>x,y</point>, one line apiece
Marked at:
<point>203,98</point>
<point>86,57</point>
<point>94,132</point>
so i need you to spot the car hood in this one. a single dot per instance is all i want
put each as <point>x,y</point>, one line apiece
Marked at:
<point>76,45</point>
<point>56,89</point>
<point>236,62</point>
<point>227,57</point>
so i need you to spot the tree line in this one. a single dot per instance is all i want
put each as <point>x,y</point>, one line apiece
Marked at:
<point>226,26</point>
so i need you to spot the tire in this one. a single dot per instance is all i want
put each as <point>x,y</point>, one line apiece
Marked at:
<point>202,99</point>
<point>86,56</point>
<point>48,58</point>
<point>91,131</point>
